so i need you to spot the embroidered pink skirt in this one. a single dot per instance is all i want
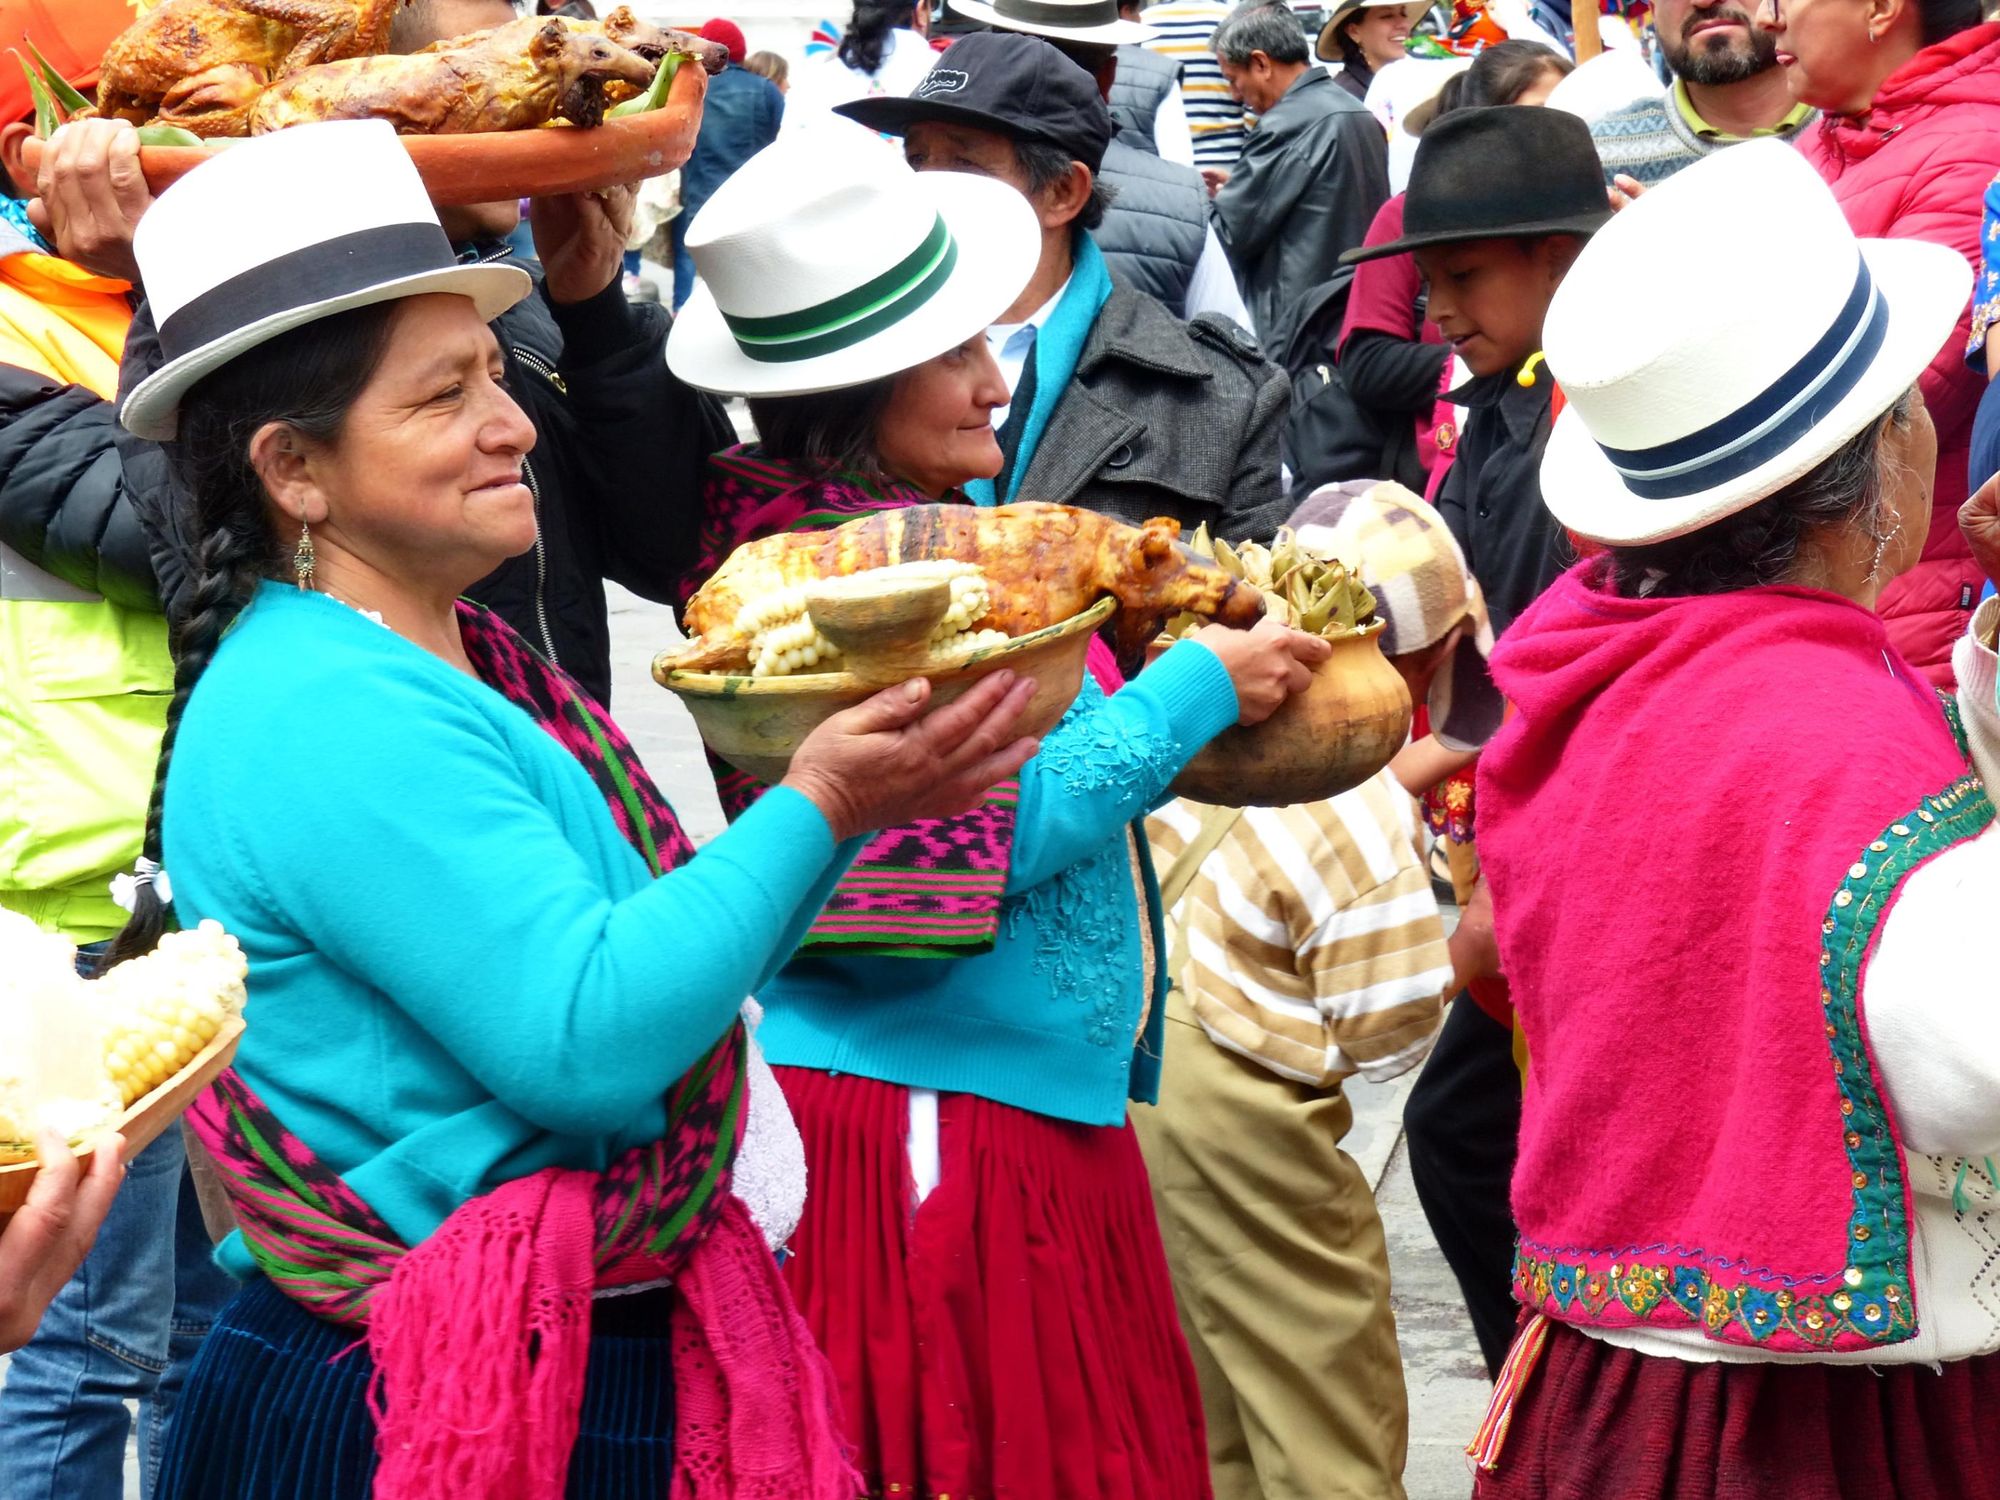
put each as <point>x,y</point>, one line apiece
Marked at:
<point>1602,1423</point>
<point>1015,1334</point>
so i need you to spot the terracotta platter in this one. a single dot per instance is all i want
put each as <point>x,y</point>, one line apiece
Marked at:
<point>488,168</point>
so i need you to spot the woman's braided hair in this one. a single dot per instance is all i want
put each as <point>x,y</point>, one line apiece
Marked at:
<point>306,379</point>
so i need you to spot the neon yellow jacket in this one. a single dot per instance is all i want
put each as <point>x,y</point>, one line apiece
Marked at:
<point>84,683</point>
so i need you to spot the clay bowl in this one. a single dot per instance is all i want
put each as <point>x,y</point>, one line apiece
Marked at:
<point>755,723</point>
<point>148,1117</point>
<point>488,168</point>
<point>1332,737</point>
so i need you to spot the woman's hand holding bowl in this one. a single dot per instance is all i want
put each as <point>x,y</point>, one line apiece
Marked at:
<point>1268,663</point>
<point>885,762</point>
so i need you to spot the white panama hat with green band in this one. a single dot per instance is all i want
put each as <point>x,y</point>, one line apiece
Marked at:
<point>829,263</point>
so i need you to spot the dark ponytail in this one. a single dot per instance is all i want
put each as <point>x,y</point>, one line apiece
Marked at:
<point>1503,72</point>
<point>866,41</point>
<point>306,379</point>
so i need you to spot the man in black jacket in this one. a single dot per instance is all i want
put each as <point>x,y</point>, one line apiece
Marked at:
<point>1311,175</point>
<point>620,443</point>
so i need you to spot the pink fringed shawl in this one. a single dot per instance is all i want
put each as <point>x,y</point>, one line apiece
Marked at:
<point>1693,828</point>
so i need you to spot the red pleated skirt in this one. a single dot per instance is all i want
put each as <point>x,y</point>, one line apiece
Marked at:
<point>1015,1334</point>
<point>1597,1422</point>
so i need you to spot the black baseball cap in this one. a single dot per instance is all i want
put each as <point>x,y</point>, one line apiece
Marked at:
<point>1513,170</point>
<point>1007,82</point>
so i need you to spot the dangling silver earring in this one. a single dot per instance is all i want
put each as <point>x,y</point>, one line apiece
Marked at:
<point>1882,541</point>
<point>303,561</point>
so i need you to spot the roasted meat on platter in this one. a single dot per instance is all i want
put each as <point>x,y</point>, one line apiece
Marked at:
<point>201,64</point>
<point>485,82</point>
<point>621,26</point>
<point>1042,564</point>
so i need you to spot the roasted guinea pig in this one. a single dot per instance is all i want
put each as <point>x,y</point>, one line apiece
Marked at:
<point>488,81</point>
<point>1043,563</point>
<point>621,26</point>
<point>201,64</point>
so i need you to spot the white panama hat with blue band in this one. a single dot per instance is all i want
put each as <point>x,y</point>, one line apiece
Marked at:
<point>1679,415</point>
<point>826,263</point>
<point>282,230</point>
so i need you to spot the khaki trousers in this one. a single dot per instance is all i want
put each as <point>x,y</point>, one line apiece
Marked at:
<point>1281,1276</point>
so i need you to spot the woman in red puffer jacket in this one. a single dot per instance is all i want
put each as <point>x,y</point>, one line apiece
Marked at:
<point>1908,139</point>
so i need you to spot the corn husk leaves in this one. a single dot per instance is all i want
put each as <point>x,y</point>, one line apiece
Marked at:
<point>1314,593</point>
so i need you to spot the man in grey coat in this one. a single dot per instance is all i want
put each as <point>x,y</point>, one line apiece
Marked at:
<point>1311,176</point>
<point>1117,404</point>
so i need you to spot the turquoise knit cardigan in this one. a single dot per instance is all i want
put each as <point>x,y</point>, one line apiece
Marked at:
<point>460,971</point>
<point>1050,1019</point>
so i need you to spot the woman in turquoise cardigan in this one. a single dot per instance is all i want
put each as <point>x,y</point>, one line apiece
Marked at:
<point>961,1030</point>
<point>495,1070</point>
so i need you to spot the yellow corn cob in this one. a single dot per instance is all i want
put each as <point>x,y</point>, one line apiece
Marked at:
<point>969,601</point>
<point>160,1009</point>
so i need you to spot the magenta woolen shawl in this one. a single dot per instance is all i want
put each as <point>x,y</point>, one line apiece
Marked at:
<point>1693,827</point>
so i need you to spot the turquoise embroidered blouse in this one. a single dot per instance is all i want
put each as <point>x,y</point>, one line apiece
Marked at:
<point>1049,1020</point>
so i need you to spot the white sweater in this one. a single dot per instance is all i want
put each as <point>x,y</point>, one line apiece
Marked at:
<point>1933,1014</point>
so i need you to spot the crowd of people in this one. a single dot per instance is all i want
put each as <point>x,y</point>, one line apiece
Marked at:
<point>967,1118</point>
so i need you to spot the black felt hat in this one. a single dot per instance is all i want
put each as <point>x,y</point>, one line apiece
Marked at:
<point>1004,81</point>
<point>1484,174</point>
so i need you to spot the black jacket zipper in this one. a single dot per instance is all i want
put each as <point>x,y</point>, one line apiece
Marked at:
<point>541,567</point>
<point>549,373</point>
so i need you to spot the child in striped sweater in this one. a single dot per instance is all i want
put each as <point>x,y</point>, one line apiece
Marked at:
<point>1308,948</point>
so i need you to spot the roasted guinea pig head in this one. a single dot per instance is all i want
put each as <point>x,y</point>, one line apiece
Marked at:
<point>1043,564</point>
<point>1159,575</point>
<point>592,69</point>
<point>655,42</point>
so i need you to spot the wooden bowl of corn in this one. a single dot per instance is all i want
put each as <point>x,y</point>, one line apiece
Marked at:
<point>129,1051</point>
<point>756,722</point>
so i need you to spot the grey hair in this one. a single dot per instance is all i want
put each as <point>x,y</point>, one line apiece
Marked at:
<point>1765,544</point>
<point>1259,27</point>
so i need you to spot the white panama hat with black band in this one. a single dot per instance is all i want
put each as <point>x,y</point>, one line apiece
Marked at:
<point>1061,20</point>
<point>282,230</point>
<point>1677,417</point>
<point>826,264</point>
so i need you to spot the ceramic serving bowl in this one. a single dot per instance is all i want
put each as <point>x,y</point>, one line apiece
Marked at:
<point>1326,740</point>
<point>755,723</point>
